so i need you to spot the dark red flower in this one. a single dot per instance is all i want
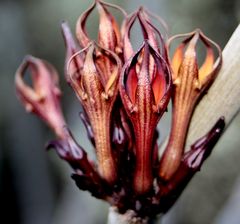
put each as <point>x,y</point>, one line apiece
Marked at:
<point>145,97</point>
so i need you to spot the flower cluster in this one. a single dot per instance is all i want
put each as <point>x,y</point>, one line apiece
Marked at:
<point>123,93</point>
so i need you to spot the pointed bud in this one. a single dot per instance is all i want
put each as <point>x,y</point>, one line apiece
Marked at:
<point>43,97</point>
<point>190,82</point>
<point>96,88</point>
<point>108,34</point>
<point>145,98</point>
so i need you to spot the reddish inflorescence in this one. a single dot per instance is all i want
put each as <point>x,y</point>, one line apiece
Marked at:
<point>123,94</point>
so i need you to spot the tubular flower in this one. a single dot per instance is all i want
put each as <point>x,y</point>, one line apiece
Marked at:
<point>97,91</point>
<point>145,98</point>
<point>190,82</point>
<point>123,94</point>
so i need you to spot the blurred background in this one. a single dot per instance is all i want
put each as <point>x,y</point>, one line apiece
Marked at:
<point>35,186</point>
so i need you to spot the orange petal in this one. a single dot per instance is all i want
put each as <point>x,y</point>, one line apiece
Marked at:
<point>207,66</point>
<point>177,60</point>
<point>159,86</point>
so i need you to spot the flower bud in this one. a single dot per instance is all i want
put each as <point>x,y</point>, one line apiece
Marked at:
<point>145,98</point>
<point>43,98</point>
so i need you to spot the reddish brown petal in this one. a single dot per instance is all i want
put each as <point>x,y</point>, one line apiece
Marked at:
<point>161,80</point>
<point>109,32</point>
<point>159,86</point>
<point>127,46</point>
<point>131,84</point>
<point>160,21</point>
<point>148,32</point>
<point>81,34</point>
